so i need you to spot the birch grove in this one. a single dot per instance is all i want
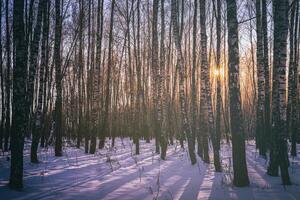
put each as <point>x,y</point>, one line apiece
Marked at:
<point>193,74</point>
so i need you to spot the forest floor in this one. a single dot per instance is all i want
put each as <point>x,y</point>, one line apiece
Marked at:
<point>116,173</point>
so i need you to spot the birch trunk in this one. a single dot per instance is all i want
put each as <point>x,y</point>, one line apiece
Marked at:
<point>183,104</point>
<point>33,64</point>
<point>278,154</point>
<point>240,176</point>
<point>260,136</point>
<point>19,100</point>
<point>58,79</point>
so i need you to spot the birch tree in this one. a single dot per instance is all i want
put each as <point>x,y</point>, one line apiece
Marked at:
<point>19,100</point>
<point>109,66</point>
<point>58,79</point>
<point>2,130</point>
<point>240,172</point>
<point>7,80</point>
<point>34,49</point>
<point>186,129</point>
<point>278,154</point>
<point>260,130</point>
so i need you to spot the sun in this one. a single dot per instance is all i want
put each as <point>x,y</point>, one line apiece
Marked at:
<point>216,72</point>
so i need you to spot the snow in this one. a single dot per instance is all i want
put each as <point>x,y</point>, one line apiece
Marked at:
<point>116,173</point>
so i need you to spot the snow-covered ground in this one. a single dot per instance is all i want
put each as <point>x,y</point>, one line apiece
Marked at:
<point>119,174</point>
